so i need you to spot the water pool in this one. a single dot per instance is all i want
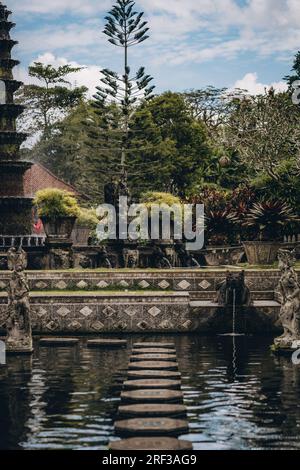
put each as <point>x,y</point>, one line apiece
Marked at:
<point>238,395</point>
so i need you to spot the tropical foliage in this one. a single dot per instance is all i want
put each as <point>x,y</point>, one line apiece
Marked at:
<point>53,203</point>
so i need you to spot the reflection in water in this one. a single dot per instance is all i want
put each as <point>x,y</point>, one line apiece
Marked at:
<point>238,395</point>
<point>14,398</point>
<point>64,398</point>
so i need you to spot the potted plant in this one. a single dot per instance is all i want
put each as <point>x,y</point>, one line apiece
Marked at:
<point>58,210</point>
<point>221,233</point>
<point>85,225</point>
<point>222,243</point>
<point>269,220</point>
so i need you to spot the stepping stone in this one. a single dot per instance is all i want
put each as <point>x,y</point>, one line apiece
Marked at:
<point>154,345</point>
<point>151,443</point>
<point>152,426</point>
<point>106,343</point>
<point>152,383</point>
<point>153,365</point>
<point>151,410</point>
<point>153,351</point>
<point>153,357</point>
<point>153,396</point>
<point>58,341</point>
<point>153,374</point>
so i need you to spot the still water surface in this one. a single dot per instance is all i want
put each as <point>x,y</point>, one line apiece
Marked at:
<point>238,395</point>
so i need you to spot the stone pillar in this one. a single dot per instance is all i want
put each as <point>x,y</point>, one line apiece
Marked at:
<point>15,207</point>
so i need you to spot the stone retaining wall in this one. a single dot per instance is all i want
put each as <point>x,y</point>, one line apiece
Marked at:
<point>200,281</point>
<point>135,301</point>
<point>69,314</point>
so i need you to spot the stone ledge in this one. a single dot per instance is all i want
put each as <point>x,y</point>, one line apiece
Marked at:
<point>201,284</point>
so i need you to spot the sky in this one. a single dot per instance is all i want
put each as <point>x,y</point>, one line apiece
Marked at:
<point>248,44</point>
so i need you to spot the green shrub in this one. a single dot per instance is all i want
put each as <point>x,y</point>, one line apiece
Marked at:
<point>220,227</point>
<point>87,218</point>
<point>54,203</point>
<point>270,219</point>
<point>153,197</point>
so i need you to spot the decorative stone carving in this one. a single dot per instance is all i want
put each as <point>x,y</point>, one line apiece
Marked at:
<point>233,290</point>
<point>85,262</point>
<point>131,258</point>
<point>61,259</point>
<point>110,193</point>
<point>104,259</point>
<point>288,294</point>
<point>160,259</point>
<point>183,285</point>
<point>185,257</point>
<point>18,323</point>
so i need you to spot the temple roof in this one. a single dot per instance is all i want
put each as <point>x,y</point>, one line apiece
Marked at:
<point>39,177</point>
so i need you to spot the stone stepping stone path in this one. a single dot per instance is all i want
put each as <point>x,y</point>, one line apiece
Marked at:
<point>152,426</point>
<point>153,374</point>
<point>106,343</point>
<point>153,351</point>
<point>152,383</point>
<point>152,410</point>
<point>151,443</point>
<point>154,365</point>
<point>58,341</point>
<point>153,396</point>
<point>153,357</point>
<point>152,401</point>
<point>154,345</point>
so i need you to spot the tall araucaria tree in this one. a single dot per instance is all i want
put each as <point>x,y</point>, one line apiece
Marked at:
<point>125,29</point>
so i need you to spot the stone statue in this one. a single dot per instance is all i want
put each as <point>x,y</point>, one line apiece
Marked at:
<point>131,258</point>
<point>18,324</point>
<point>104,259</point>
<point>123,189</point>
<point>185,258</point>
<point>110,193</point>
<point>61,259</point>
<point>233,290</point>
<point>113,190</point>
<point>160,259</point>
<point>16,257</point>
<point>288,294</point>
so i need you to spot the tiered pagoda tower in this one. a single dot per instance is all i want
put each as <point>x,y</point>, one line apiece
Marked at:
<point>15,208</point>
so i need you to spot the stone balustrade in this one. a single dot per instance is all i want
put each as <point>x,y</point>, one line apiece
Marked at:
<point>26,241</point>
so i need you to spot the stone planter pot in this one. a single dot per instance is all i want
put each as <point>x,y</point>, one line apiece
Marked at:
<point>223,255</point>
<point>81,235</point>
<point>261,252</point>
<point>59,229</point>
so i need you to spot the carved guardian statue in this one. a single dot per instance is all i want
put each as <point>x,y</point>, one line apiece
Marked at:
<point>288,294</point>
<point>18,323</point>
<point>233,290</point>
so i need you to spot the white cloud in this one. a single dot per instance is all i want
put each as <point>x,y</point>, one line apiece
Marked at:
<point>250,83</point>
<point>60,37</point>
<point>56,7</point>
<point>181,32</point>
